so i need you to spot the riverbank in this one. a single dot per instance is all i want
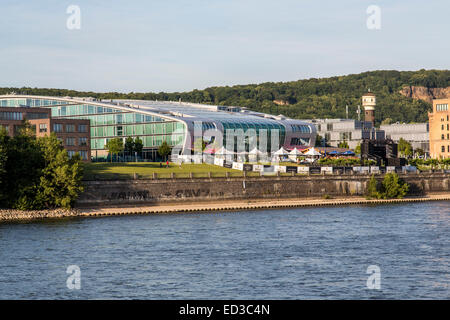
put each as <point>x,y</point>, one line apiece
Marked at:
<point>213,206</point>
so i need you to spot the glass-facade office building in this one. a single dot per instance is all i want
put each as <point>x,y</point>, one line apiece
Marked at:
<point>174,122</point>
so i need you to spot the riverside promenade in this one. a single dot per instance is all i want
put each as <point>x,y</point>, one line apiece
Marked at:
<point>212,206</point>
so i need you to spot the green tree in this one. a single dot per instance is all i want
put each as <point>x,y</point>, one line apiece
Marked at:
<point>343,144</point>
<point>138,145</point>
<point>373,188</point>
<point>393,187</point>
<point>114,146</point>
<point>319,141</point>
<point>164,150</point>
<point>419,152</point>
<point>60,182</point>
<point>23,167</point>
<point>129,145</point>
<point>405,148</point>
<point>358,148</point>
<point>386,121</point>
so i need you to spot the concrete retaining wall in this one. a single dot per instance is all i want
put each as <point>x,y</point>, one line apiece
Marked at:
<point>139,192</point>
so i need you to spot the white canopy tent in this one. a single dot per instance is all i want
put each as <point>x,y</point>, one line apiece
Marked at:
<point>312,152</point>
<point>255,155</point>
<point>223,153</point>
<point>294,154</point>
<point>281,152</point>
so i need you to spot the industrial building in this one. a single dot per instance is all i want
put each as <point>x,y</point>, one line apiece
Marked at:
<point>177,123</point>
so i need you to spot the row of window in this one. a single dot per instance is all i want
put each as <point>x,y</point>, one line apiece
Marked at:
<point>300,141</point>
<point>16,102</point>
<point>58,127</point>
<point>300,128</point>
<point>71,141</point>
<point>442,127</point>
<point>73,110</point>
<point>11,115</point>
<point>139,129</point>
<point>120,118</point>
<point>442,107</point>
<point>36,115</point>
<point>148,141</point>
<point>83,154</point>
<point>345,135</point>
<point>200,125</point>
<point>443,149</point>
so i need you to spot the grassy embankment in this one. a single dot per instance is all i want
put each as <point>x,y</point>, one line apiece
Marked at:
<point>126,170</point>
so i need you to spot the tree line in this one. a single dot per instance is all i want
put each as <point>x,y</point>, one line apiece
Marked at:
<point>302,99</point>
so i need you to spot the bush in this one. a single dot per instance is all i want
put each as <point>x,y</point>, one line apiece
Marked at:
<point>390,188</point>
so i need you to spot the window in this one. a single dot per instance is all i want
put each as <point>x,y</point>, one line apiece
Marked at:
<point>57,127</point>
<point>70,128</point>
<point>83,155</point>
<point>71,153</point>
<point>442,137</point>
<point>11,116</point>
<point>443,149</point>
<point>42,127</point>
<point>70,141</point>
<point>83,142</point>
<point>329,127</point>
<point>442,107</point>
<point>35,115</point>
<point>82,128</point>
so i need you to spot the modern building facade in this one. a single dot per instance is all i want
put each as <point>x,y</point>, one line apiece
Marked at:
<point>73,133</point>
<point>415,133</point>
<point>439,124</point>
<point>335,131</point>
<point>176,123</point>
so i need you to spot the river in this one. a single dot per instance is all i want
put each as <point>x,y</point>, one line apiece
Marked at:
<point>303,253</point>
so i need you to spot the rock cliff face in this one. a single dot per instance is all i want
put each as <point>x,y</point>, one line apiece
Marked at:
<point>424,93</point>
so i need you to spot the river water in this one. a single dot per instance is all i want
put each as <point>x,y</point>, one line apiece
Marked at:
<point>303,253</point>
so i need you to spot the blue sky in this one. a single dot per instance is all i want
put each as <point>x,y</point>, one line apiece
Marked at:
<point>178,45</point>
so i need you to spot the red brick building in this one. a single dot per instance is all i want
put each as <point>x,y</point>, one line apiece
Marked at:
<point>74,134</point>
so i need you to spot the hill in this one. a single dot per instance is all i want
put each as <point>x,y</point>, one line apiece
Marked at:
<point>401,95</point>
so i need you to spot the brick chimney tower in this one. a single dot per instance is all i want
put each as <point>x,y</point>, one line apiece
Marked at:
<point>369,102</point>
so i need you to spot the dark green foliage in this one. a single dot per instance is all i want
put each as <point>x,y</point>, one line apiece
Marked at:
<point>60,182</point>
<point>129,145</point>
<point>307,99</point>
<point>164,150</point>
<point>372,190</point>
<point>391,187</point>
<point>405,148</point>
<point>138,145</point>
<point>37,173</point>
<point>114,146</point>
<point>343,144</point>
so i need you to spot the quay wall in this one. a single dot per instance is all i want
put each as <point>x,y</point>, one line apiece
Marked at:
<point>159,191</point>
